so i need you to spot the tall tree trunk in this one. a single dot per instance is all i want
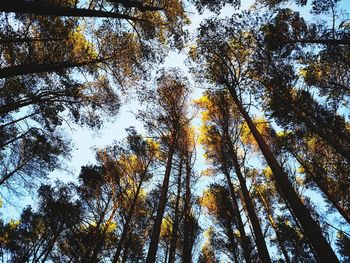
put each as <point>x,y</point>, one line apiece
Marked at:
<point>311,229</point>
<point>274,226</point>
<point>321,185</point>
<point>25,69</point>
<point>27,40</point>
<point>153,247</point>
<point>99,237</point>
<point>331,42</point>
<point>45,9</point>
<point>239,222</point>
<point>126,248</point>
<point>260,241</point>
<point>127,223</point>
<point>324,134</point>
<point>173,239</point>
<point>166,253</point>
<point>186,253</point>
<point>233,243</point>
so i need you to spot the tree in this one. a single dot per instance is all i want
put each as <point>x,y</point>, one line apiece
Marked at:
<point>219,123</point>
<point>165,119</point>
<point>227,53</point>
<point>208,254</point>
<point>56,68</point>
<point>218,204</point>
<point>221,138</point>
<point>34,237</point>
<point>137,165</point>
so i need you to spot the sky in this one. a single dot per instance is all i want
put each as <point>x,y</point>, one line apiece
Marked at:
<point>85,141</point>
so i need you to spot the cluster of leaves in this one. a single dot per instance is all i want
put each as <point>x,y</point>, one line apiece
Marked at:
<point>65,62</point>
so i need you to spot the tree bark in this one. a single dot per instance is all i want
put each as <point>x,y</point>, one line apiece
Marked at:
<point>232,240</point>
<point>173,239</point>
<point>274,226</point>
<point>333,42</point>
<point>39,8</point>
<point>321,185</point>
<point>186,253</point>
<point>25,69</point>
<point>260,240</point>
<point>311,229</point>
<point>127,224</point>
<point>153,247</point>
<point>240,225</point>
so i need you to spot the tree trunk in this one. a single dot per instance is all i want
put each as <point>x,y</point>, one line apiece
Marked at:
<point>274,226</point>
<point>240,225</point>
<point>27,40</point>
<point>39,8</point>
<point>332,42</point>
<point>25,69</point>
<point>186,253</point>
<point>311,229</point>
<point>173,239</point>
<point>320,184</point>
<point>153,247</point>
<point>260,241</point>
<point>233,243</point>
<point>127,223</point>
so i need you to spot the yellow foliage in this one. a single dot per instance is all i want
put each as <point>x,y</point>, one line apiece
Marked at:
<point>301,170</point>
<point>262,126</point>
<point>208,172</point>
<point>166,228</point>
<point>209,202</point>
<point>82,48</point>
<point>111,227</point>
<point>267,172</point>
<point>13,223</point>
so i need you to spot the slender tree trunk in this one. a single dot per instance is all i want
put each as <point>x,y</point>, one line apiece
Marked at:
<point>311,229</point>
<point>27,40</point>
<point>25,69</point>
<point>332,42</point>
<point>50,246</point>
<point>96,234</point>
<point>329,138</point>
<point>99,245</point>
<point>18,120</point>
<point>166,253</point>
<point>240,225</point>
<point>321,185</point>
<point>173,239</point>
<point>300,228</point>
<point>126,248</point>
<point>153,247</point>
<point>274,226</point>
<point>260,241</point>
<point>7,176</point>
<point>127,224</point>
<point>45,9</point>
<point>186,253</point>
<point>233,243</point>
<point>17,138</point>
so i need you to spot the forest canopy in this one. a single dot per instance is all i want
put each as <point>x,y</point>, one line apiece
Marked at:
<point>243,154</point>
